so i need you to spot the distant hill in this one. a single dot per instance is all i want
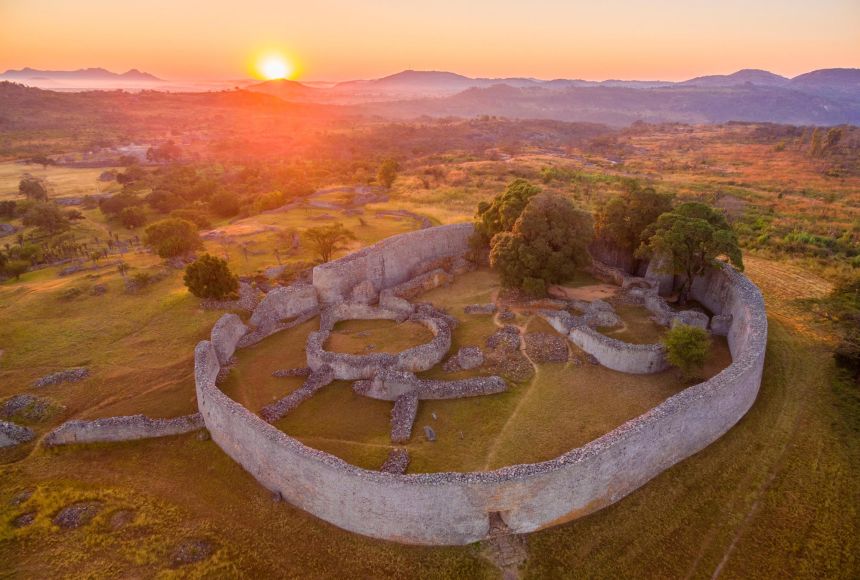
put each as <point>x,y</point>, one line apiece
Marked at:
<point>286,89</point>
<point>838,79</point>
<point>749,75</point>
<point>88,74</point>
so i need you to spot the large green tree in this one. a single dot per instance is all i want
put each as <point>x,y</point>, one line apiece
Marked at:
<point>210,277</point>
<point>500,214</point>
<point>547,243</point>
<point>172,237</point>
<point>624,218</point>
<point>46,216</point>
<point>691,238</point>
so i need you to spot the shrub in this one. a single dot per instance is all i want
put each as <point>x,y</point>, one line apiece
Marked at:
<point>132,217</point>
<point>388,173</point>
<point>164,201</point>
<point>210,277</point>
<point>33,188</point>
<point>548,242</point>
<point>198,218</point>
<point>224,204</point>
<point>172,237</point>
<point>687,348</point>
<point>47,217</point>
<point>114,205</point>
<point>15,268</point>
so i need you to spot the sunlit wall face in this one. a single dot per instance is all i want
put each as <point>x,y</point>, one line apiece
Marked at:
<point>341,39</point>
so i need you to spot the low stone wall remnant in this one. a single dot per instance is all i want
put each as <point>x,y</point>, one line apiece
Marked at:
<point>403,417</point>
<point>12,434</point>
<point>127,428</point>
<point>316,380</point>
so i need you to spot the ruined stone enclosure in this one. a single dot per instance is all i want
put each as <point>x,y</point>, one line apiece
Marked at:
<point>382,282</point>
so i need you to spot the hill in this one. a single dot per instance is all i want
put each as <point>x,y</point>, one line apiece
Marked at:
<point>741,77</point>
<point>91,74</point>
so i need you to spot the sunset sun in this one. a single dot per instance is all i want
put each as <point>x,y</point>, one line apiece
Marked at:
<point>274,67</point>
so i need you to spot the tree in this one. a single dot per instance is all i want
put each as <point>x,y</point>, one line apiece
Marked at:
<point>687,348</point>
<point>388,173</point>
<point>132,217</point>
<point>501,214</point>
<point>548,242</point>
<point>210,277</point>
<point>691,238</point>
<point>168,151</point>
<point>15,268</point>
<point>164,201</point>
<point>46,216</point>
<point>224,204</point>
<point>122,268</point>
<point>33,188</point>
<point>115,204</point>
<point>624,218</point>
<point>172,237</point>
<point>326,240</point>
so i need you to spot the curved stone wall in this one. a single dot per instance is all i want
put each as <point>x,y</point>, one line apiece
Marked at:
<point>127,428</point>
<point>637,359</point>
<point>455,508</point>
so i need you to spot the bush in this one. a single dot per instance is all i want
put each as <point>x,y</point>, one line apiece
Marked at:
<point>172,237</point>
<point>132,217</point>
<point>15,268</point>
<point>198,218</point>
<point>210,277</point>
<point>114,205</point>
<point>687,348</point>
<point>164,201</point>
<point>548,242</point>
<point>224,204</point>
<point>47,217</point>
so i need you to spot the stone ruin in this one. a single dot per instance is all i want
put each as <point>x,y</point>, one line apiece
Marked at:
<point>458,508</point>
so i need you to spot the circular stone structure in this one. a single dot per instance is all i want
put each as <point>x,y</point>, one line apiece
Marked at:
<point>458,508</point>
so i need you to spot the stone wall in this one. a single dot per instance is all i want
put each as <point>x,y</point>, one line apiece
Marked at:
<point>392,261</point>
<point>455,508</point>
<point>391,385</point>
<point>125,428</point>
<point>12,434</point>
<point>284,303</point>
<point>226,334</point>
<point>617,355</point>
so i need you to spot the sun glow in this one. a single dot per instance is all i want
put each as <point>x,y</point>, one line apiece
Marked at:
<point>274,66</point>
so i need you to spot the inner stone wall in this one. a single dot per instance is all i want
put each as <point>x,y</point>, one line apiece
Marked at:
<point>455,508</point>
<point>391,261</point>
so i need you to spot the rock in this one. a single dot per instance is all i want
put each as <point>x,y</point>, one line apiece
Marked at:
<point>191,551</point>
<point>470,357</point>
<point>297,372</point>
<point>480,309</point>
<point>21,497</point>
<point>507,316</point>
<point>77,514</point>
<point>433,414</point>
<point>67,376</point>
<point>28,408</point>
<point>98,290</point>
<point>691,318</point>
<point>203,435</point>
<point>274,272</point>
<point>120,519</point>
<point>544,347</point>
<point>364,293</point>
<point>429,433</point>
<point>24,520</point>
<point>12,434</point>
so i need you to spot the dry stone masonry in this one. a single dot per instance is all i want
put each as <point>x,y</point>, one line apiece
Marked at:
<point>459,508</point>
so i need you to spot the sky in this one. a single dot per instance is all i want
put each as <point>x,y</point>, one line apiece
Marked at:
<point>341,39</point>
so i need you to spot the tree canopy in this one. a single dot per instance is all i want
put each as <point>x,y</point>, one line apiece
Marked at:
<point>210,277</point>
<point>501,214</point>
<point>33,188</point>
<point>172,237</point>
<point>624,218</point>
<point>691,238</point>
<point>46,216</point>
<point>388,172</point>
<point>546,244</point>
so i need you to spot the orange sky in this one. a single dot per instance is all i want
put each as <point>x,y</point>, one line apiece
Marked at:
<point>340,39</point>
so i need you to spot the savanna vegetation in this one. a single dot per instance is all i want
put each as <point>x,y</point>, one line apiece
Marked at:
<point>85,282</point>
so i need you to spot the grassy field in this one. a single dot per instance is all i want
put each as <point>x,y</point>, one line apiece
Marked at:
<point>776,497</point>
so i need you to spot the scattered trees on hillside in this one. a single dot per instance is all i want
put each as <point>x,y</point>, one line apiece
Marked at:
<point>623,219</point>
<point>46,216</point>
<point>210,277</point>
<point>33,188</point>
<point>388,172</point>
<point>172,237</point>
<point>687,348</point>
<point>326,240</point>
<point>691,237</point>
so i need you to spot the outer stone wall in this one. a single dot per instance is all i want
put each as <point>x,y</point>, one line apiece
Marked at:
<point>391,261</point>
<point>455,508</point>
